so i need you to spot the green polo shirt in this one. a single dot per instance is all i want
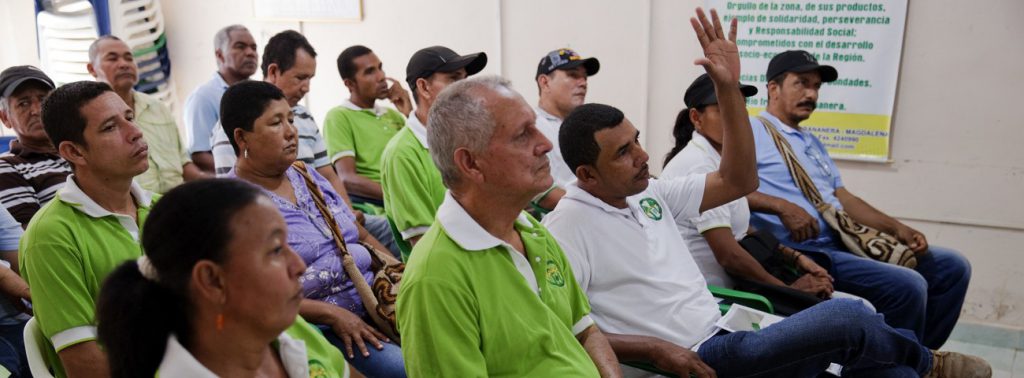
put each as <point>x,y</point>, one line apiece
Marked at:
<point>361,134</point>
<point>68,249</point>
<point>167,153</point>
<point>471,306</point>
<point>412,185</point>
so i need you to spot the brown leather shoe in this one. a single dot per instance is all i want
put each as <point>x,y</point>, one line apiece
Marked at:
<point>958,365</point>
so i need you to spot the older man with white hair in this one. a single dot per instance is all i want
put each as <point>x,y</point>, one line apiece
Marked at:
<point>487,290</point>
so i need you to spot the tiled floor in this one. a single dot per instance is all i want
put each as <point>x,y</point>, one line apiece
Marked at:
<point>1006,362</point>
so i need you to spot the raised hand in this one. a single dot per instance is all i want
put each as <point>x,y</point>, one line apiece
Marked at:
<point>399,96</point>
<point>721,56</point>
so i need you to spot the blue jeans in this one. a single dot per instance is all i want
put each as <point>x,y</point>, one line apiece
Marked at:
<point>926,299</point>
<point>841,331</point>
<point>377,225</point>
<point>12,350</point>
<point>384,363</point>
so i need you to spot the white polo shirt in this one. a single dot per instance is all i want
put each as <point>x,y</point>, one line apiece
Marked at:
<point>549,125</point>
<point>700,157</point>
<point>633,264</point>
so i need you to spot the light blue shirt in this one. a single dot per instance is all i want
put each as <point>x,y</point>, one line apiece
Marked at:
<point>202,111</point>
<point>10,234</point>
<point>778,182</point>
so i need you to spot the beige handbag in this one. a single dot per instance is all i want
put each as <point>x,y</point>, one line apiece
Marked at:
<point>859,239</point>
<point>387,272</point>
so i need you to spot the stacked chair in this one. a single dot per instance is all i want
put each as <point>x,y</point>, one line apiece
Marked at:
<point>67,27</point>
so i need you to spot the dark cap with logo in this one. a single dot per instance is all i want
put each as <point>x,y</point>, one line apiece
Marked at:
<point>563,59</point>
<point>702,92</point>
<point>13,77</point>
<point>799,61</point>
<point>441,59</point>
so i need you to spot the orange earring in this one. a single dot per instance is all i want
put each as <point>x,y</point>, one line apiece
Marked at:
<point>220,322</point>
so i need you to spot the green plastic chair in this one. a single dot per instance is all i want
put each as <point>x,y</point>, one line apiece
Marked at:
<point>729,297</point>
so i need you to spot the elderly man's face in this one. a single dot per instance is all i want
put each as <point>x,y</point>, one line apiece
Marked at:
<point>516,157</point>
<point>114,65</point>
<point>239,56</point>
<point>24,108</point>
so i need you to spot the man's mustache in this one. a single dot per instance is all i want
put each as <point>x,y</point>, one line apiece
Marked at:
<point>812,104</point>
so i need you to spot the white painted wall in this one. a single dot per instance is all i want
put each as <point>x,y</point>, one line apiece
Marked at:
<point>957,170</point>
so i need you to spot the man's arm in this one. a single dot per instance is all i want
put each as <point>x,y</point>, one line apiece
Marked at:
<point>204,161</point>
<point>801,225</point>
<point>354,183</point>
<point>864,213</point>
<point>84,359</point>
<point>737,175</point>
<point>660,353</point>
<point>332,177</point>
<point>600,351</point>
<point>736,260</point>
<point>191,172</point>
<point>549,199</point>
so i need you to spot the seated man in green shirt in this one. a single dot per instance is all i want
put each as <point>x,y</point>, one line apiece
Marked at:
<point>412,185</point>
<point>488,291</point>
<point>91,227</point>
<point>357,130</point>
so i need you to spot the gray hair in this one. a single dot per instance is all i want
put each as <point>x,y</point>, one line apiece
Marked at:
<point>460,118</point>
<point>94,47</point>
<point>223,37</point>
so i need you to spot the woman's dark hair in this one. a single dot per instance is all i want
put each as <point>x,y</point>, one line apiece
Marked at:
<point>136,315</point>
<point>682,131</point>
<point>243,103</point>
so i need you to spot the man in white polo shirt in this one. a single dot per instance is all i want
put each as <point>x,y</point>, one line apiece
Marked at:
<point>617,228</point>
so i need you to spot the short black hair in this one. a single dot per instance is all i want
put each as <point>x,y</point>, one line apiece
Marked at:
<point>281,49</point>
<point>778,80</point>
<point>346,68</point>
<point>243,103</point>
<point>61,112</point>
<point>576,136</point>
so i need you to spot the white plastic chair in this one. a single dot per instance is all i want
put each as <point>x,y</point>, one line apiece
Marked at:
<point>34,350</point>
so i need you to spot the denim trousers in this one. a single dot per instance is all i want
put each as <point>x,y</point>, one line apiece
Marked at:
<point>841,331</point>
<point>12,349</point>
<point>377,225</point>
<point>926,299</point>
<point>384,363</point>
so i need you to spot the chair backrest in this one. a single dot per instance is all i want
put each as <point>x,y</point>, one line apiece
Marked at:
<point>34,351</point>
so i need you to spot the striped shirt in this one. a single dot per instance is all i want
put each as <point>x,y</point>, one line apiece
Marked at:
<point>29,179</point>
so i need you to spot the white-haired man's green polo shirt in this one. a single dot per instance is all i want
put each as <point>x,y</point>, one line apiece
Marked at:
<point>362,134</point>
<point>412,185</point>
<point>471,306</point>
<point>68,249</point>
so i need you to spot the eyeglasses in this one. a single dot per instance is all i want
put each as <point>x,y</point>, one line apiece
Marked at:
<point>820,161</point>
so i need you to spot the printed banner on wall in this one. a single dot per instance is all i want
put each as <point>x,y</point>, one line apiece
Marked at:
<point>862,40</point>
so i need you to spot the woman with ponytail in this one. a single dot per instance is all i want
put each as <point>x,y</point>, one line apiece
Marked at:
<point>713,238</point>
<point>217,293</point>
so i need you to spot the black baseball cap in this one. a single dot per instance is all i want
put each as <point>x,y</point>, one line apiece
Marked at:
<point>702,92</point>
<point>13,77</point>
<point>441,59</point>
<point>564,59</point>
<point>799,61</point>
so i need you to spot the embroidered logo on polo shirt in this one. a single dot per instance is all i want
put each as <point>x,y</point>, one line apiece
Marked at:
<point>317,369</point>
<point>651,208</point>
<point>553,275</point>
